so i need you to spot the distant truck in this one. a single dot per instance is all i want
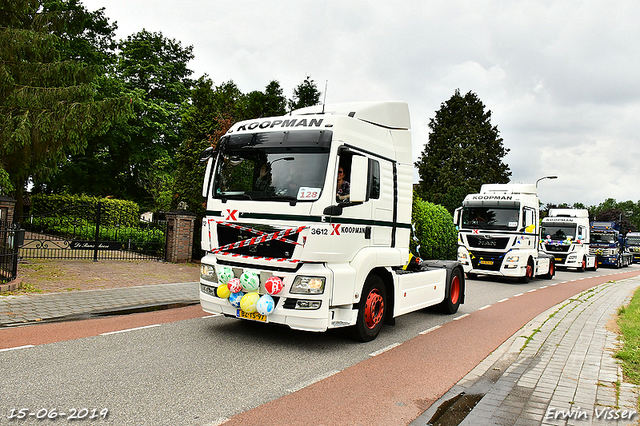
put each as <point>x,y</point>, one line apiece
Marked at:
<point>499,233</point>
<point>566,236</point>
<point>632,245</point>
<point>608,245</point>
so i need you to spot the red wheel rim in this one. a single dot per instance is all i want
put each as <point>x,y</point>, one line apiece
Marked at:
<point>373,309</point>
<point>551,268</point>
<point>455,289</point>
<point>529,271</point>
<point>584,264</point>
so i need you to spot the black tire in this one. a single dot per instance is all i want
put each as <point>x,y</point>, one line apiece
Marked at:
<point>451,303</point>
<point>552,271</point>
<point>528,274</point>
<point>583,265</point>
<point>371,310</point>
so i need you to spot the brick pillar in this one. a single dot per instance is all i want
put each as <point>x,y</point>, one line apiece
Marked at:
<point>180,225</point>
<point>7,207</point>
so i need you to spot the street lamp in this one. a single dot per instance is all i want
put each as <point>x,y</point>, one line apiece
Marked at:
<point>545,177</point>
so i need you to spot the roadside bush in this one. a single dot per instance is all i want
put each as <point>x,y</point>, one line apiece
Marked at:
<point>435,230</point>
<point>83,207</point>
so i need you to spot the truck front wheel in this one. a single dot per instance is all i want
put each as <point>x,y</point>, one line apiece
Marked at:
<point>528,274</point>
<point>371,310</point>
<point>451,303</point>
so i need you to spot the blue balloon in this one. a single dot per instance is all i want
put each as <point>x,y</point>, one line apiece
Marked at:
<point>265,305</point>
<point>234,299</point>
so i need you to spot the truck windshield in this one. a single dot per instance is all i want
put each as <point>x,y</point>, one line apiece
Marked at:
<point>633,241</point>
<point>490,218</point>
<point>559,232</point>
<point>603,238</point>
<point>272,166</point>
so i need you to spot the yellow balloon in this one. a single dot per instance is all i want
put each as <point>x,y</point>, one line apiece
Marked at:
<point>223,291</point>
<point>249,301</point>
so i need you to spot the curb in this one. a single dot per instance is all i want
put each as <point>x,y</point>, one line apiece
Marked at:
<point>11,285</point>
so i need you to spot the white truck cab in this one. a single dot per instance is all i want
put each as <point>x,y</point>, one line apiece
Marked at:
<point>499,233</point>
<point>565,236</point>
<point>306,256</point>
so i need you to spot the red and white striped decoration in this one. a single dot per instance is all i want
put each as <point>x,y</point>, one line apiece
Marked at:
<point>262,237</point>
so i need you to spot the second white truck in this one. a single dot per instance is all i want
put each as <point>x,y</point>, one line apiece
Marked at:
<point>566,236</point>
<point>499,233</point>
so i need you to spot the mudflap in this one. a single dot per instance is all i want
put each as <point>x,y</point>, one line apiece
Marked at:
<point>543,255</point>
<point>450,266</point>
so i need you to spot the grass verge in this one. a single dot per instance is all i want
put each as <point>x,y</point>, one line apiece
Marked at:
<point>629,353</point>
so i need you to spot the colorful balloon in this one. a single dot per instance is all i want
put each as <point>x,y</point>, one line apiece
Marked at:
<point>265,305</point>
<point>223,291</point>
<point>250,281</point>
<point>249,301</point>
<point>235,298</point>
<point>273,285</point>
<point>234,285</point>
<point>224,274</point>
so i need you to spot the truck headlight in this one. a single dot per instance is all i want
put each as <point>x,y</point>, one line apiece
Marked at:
<point>307,285</point>
<point>208,273</point>
<point>572,258</point>
<point>512,259</point>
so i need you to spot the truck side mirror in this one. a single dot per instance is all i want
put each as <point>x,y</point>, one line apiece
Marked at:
<point>358,184</point>
<point>456,216</point>
<point>335,210</point>
<point>207,178</point>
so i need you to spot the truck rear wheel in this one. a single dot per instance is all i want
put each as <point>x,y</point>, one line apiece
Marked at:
<point>451,303</point>
<point>371,310</point>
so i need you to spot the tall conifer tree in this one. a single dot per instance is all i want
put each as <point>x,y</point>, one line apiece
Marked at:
<point>47,103</point>
<point>464,151</point>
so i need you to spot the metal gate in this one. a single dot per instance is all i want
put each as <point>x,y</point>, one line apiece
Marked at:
<point>10,240</point>
<point>81,232</point>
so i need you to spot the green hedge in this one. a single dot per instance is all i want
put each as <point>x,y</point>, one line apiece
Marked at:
<point>114,212</point>
<point>435,230</point>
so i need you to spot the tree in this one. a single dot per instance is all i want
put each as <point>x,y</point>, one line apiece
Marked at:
<point>135,156</point>
<point>464,151</point>
<point>207,118</point>
<point>48,105</point>
<point>305,94</point>
<point>258,104</point>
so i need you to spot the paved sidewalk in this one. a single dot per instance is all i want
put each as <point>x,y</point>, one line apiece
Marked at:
<point>22,310</point>
<point>558,370</point>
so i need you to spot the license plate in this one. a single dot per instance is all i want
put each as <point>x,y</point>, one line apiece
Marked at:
<point>486,262</point>
<point>254,316</point>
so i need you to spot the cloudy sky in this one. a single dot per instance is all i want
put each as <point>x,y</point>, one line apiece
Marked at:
<point>561,78</point>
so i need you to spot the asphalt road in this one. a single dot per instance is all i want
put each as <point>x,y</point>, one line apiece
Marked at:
<point>186,368</point>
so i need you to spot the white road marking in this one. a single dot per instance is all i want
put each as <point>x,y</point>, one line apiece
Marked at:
<point>17,347</point>
<point>129,329</point>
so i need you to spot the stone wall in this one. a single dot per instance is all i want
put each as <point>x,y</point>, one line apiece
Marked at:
<point>180,229</point>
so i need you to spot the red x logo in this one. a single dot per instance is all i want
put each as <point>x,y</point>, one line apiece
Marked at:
<point>231,214</point>
<point>336,229</point>
<point>475,231</point>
